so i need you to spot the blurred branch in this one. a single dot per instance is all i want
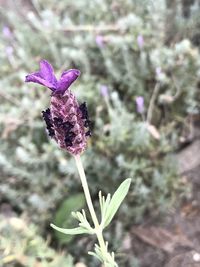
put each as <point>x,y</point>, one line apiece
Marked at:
<point>91,28</point>
<point>152,103</point>
<point>22,259</point>
<point>9,259</point>
<point>10,99</point>
<point>178,89</point>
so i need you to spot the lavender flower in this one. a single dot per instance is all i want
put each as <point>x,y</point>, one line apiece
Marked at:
<point>9,54</point>
<point>7,32</point>
<point>67,122</point>
<point>158,71</point>
<point>104,91</point>
<point>140,41</point>
<point>46,23</point>
<point>139,104</point>
<point>100,41</point>
<point>9,51</point>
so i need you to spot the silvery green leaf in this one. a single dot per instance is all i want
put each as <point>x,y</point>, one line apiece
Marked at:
<point>83,222</point>
<point>95,255</point>
<point>73,231</point>
<point>105,257</point>
<point>116,201</point>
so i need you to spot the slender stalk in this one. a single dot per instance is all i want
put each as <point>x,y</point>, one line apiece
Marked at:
<point>91,207</point>
<point>86,190</point>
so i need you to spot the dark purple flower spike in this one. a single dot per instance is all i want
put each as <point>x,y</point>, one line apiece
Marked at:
<point>67,121</point>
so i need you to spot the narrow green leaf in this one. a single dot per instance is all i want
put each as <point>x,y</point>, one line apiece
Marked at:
<point>106,204</point>
<point>73,231</point>
<point>116,201</point>
<point>100,201</point>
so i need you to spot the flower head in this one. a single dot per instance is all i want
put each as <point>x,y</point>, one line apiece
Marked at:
<point>67,122</point>
<point>45,76</point>
<point>139,104</point>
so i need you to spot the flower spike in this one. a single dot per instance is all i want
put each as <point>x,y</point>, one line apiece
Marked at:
<point>67,122</point>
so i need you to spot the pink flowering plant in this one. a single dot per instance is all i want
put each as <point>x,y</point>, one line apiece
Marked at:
<point>68,123</point>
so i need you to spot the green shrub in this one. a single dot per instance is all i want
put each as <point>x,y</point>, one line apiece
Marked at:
<point>36,176</point>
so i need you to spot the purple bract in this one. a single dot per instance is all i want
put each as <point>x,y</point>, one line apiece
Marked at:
<point>67,122</point>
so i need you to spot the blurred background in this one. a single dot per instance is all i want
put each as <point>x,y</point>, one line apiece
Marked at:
<point>140,65</point>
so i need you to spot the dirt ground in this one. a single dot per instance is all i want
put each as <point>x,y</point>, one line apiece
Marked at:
<point>175,241</point>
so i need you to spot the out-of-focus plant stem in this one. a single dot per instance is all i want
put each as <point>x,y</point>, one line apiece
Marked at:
<point>152,103</point>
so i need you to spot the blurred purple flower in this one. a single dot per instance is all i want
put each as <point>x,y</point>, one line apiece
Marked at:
<point>139,104</point>
<point>7,32</point>
<point>100,41</point>
<point>9,51</point>
<point>46,23</point>
<point>66,121</point>
<point>158,72</point>
<point>140,41</point>
<point>104,90</point>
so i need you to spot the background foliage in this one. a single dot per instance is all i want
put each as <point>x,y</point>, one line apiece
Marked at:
<point>38,180</point>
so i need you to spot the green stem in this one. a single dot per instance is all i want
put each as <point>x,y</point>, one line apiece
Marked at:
<point>86,190</point>
<point>90,206</point>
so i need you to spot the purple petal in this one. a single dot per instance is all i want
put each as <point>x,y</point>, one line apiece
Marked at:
<point>46,71</point>
<point>67,78</point>
<point>45,76</point>
<point>36,78</point>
